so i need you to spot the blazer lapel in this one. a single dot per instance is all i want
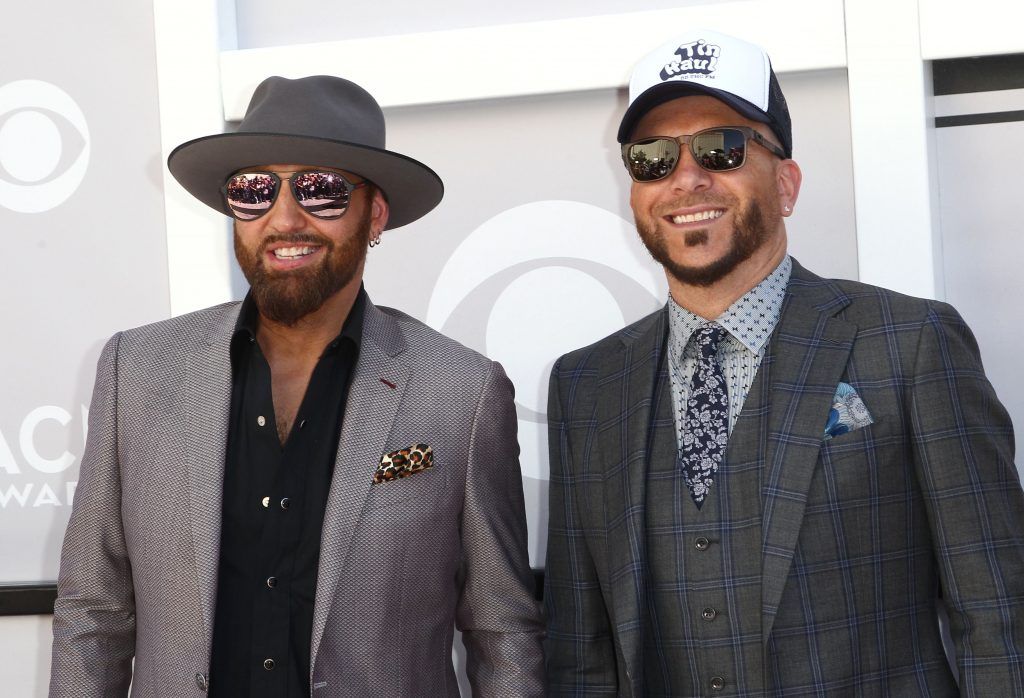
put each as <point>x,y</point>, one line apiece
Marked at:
<point>625,406</point>
<point>808,354</point>
<point>369,417</point>
<point>207,406</point>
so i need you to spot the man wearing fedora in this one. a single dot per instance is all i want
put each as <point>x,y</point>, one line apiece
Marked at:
<point>765,487</point>
<point>304,493</point>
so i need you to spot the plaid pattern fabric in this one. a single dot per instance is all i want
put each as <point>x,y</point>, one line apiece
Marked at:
<point>402,563</point>
<point>860,534</point>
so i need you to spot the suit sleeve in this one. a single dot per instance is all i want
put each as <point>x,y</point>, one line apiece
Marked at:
<point>94,614</point>
<point>500,621</point>
<point>963,442</point>
<point>579,649</point>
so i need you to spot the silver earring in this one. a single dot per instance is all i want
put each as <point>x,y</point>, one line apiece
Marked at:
<point>374,238</point>
<point>786,208</point>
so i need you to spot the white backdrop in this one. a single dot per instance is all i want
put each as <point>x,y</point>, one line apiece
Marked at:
<point>534,231</point>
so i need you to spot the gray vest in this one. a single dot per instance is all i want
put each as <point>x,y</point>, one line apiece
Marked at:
<point>702,629</point>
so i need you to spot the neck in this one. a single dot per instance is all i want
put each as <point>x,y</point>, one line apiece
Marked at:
<point>709,302</point>
<point>305,340</point>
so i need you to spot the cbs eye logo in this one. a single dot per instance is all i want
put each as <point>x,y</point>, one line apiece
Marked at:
<point>535,282</point>
<point>44,146</point>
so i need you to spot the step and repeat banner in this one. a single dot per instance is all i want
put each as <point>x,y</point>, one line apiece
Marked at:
<point>82,230</point>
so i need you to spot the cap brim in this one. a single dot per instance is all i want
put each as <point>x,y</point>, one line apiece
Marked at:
<point>203,165</point>
<point>667,91</point>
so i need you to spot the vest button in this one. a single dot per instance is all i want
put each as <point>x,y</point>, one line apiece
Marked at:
<point>717,683</point>
<point>709,614</point>
<point>271,582</point>
<point>702,544</point>
<point>268,664</point>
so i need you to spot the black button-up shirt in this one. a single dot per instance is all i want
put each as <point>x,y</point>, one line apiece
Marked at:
<point>274,501</point>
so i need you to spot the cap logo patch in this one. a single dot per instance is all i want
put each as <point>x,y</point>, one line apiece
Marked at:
<point>696,59</point>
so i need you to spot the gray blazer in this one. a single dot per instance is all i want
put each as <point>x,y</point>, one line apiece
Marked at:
<point>859,533</point>
<point>402,562</point>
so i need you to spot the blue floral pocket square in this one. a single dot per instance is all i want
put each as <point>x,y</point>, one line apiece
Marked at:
<point>848,412</point>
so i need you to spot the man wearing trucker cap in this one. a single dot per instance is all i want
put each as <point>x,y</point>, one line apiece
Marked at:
<point>773,484</point>
<point>304,493</point>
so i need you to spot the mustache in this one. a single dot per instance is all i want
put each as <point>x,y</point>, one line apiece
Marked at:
<point>305,238</point>
<point>688,201</point>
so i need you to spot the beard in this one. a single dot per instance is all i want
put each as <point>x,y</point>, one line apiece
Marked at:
<point>288,297</point>
<point>751,231</point>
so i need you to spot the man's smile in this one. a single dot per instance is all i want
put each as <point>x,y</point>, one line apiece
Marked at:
<point>696,216</point>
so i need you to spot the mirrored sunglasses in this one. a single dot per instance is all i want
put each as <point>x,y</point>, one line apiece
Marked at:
<point>320,193</point>
<point>715,150</point>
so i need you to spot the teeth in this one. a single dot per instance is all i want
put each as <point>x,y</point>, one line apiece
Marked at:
<point>292,252</point>
<point>694,217</point>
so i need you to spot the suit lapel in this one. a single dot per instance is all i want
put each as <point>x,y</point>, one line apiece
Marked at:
<point>625,406</point>
<point>807,356</point>
<point>369,417</point>
<point>207,406</point>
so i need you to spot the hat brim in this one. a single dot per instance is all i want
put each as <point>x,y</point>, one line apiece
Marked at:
<point>667,91</point>
<point>203,165</point>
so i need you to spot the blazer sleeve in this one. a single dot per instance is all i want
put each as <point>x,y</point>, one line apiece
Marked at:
<point>500,621</point>
<point>579,648</point>
<point>94,614</point>
<point>964,450</point>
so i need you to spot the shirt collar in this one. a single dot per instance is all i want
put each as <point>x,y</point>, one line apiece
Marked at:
<point>750,320</point>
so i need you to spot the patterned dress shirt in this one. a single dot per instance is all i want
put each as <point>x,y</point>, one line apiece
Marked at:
<point>749,323</point>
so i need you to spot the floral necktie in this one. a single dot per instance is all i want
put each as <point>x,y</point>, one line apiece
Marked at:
<point>706,421</point>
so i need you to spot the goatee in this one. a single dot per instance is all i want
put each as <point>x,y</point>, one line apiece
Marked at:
<point>287,297</point>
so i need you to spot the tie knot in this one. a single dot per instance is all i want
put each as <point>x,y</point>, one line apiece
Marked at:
<point>708,338</point>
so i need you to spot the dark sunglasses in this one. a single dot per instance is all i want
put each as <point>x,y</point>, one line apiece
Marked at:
<point>320,193</point>
<point>715,149</point>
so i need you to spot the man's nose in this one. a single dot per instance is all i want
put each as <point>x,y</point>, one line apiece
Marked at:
<point>688,175</point>
<point>286,214</point>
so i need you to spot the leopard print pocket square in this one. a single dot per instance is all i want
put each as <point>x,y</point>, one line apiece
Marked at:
<point>403,463</point>
<point>848,412</point>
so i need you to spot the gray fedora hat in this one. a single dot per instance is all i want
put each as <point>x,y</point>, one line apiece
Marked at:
<point>321,121</point>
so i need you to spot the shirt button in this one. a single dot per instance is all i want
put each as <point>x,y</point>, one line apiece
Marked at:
<point>717,683</point>
<point>702,544</point>
<point>201,682</point>
<point>261,420</point>
<point>266,502</point>
<point>709,614</point>
<point>285,503</point>
<point>271,582</point>
<point>268,664</point>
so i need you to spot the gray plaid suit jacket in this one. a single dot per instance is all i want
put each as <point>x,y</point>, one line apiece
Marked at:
<point>401,562</point>
<point>860,534</point>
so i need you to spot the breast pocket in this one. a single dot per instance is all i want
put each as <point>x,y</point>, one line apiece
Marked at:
<point>424,485</point>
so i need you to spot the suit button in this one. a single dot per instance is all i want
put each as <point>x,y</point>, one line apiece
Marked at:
<point>285,503</point>
<point>268,664</point>
<point>709,614</point>
<point>202,682</point>
<point>702,544</point>
<point>717,683</point>
<point>271,582</point>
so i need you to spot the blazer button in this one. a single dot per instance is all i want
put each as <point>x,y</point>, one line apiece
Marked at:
<point>717,683</point>
<point>709,614</point>
<point>268,664</point>
<point>702,544</point>
<point>285,503</point>
<point>202,682</point>
<point>271,582</point>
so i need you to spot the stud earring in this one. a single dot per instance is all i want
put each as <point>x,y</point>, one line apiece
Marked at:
<point>786,208</point>
<point>374,238</point>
